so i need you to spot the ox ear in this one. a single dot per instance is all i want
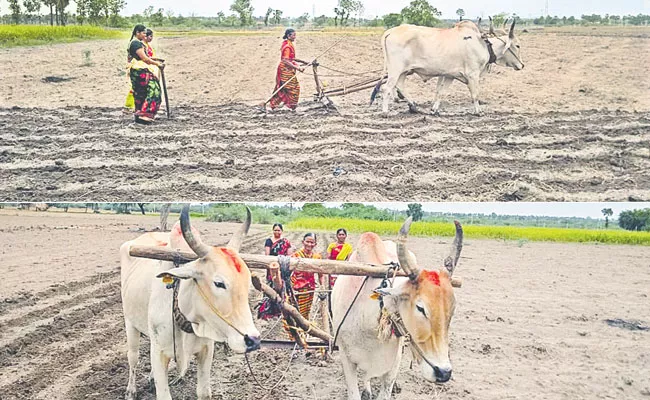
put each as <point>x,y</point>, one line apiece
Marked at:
<point>180,273</point>
<point>394,291</point>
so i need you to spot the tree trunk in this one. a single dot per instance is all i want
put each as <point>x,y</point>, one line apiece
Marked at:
<point>164,213</point>
<point>141,205</point>
<point>51,15</point>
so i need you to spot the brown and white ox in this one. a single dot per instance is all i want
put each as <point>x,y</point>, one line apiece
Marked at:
<point>213,296</point>
<point>460,53</point>
<point>424,300</point>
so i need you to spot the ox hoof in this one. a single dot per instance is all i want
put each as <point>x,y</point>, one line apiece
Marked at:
<point>130,395</point>
<point>413,109</point>
<point>435,113</point>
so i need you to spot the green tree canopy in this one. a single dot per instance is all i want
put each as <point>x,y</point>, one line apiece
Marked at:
<point>245,11</point>
<point>635,220</point>
<point>393,19</point>
<point>420,12</point>
<point>415,210</point>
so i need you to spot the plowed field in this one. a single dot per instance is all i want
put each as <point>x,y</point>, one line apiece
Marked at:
<point>530,319</point>
<point>573,125</point>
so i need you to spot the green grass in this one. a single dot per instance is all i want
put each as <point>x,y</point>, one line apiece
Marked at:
<point>520,234</point>
<point>28,35</point>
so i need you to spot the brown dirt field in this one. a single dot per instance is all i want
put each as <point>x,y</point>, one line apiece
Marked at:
<point>529,322</point>
<point>573,125</point>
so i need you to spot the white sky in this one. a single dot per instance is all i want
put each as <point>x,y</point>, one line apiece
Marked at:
<point>558,209</point>
<point>473,8</point>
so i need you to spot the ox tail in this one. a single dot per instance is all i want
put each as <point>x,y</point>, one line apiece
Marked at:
<point>375,91</point>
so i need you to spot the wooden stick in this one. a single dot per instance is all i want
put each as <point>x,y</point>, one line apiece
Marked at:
<point>257,261</point>
<point>164,86</point>
<point>341,92</point>
<point>303,323</point>
<point>315,68</point>
<point>280,88</point>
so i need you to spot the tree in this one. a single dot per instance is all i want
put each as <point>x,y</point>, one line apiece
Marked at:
<point>114,7</point>
<point>15,11</point>
<point>393,19</point>
<point>164,213</point>
<point>420,12</point>
<point>345,8</point>
<point>415,210</point>
<point>277,16</point>
<point>245,11</point>
<point>607,212</point>
<point>266,17</point>
<point>314,210</point>
<point>82,10</point>
<point>635,220</point>
<point>498,19</point>
<point>60,8</point>
<point>52,4</point>
<point>31,7</point>
<point>461,13</point>
<point>158,17</point>
<point>302,20</point>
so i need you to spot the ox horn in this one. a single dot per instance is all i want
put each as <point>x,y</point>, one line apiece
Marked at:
<point>195,243</point>
<point>238,237</point>
<point>505,23</point>
<point>403,256</point>
<point>492,28</point>
<point>454,253</point>
<point>511,34</point>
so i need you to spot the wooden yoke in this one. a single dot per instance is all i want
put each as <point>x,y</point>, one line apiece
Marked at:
<point>256,261</point>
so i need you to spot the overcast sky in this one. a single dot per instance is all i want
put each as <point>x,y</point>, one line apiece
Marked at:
<point>584,210</point>
<point>473,8</point>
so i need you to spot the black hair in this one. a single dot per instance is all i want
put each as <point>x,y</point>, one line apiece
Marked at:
<point>288,32</point>
<point>136,29</point>
<point>342,230</point>
<point>149,32</point>
<point>310,235</point>
<point>279,225</point>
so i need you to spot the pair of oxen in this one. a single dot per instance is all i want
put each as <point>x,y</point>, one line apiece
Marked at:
<point>185,309</point>
<point>462,53</point>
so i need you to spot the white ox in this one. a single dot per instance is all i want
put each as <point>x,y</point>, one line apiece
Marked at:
<point>460,53</point>
<point>424,300</point>
<point>212,295</point>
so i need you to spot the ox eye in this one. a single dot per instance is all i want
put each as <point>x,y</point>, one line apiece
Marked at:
<point>220,285</point>
<point>421,309</point>
<point>518,46</point>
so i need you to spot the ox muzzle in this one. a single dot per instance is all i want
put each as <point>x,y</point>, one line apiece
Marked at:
<point>252,343</point>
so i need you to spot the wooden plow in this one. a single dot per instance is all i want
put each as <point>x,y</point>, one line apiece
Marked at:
<point>271,263</point>
<point>323,94</point>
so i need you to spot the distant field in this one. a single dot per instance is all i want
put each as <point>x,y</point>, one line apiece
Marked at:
<point>26,35</point>
<point>533,234</point>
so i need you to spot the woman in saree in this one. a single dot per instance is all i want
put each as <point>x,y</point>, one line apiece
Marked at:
<point>303,283</point>
<point>274,246</point>
<point>286,74</point>
<point>339,250</point>
<point>130,101</point>
<point>144,72</point>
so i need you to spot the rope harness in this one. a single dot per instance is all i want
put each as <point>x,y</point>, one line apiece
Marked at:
<point>493,56</point>
<point>508,49</point>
